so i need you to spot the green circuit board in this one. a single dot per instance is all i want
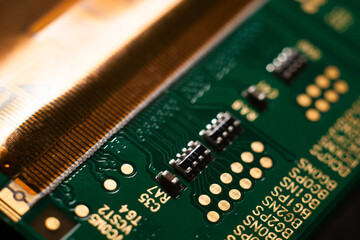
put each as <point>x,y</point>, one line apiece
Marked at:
<point>286,82</point>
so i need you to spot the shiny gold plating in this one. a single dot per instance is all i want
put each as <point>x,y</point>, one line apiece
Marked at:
<point>51,140</point>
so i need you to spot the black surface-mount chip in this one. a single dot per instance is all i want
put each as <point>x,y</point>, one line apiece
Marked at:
<point>256,98</point>
<point>222,131</point>
<point>287,65</point>
<point>169,182</point>
<point>192,161</point>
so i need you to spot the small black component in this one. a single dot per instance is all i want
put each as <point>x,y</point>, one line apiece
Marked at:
<point>256,98</point>
<point>288,64</point>
<point>222,131</point>
<point>169,183</point>
<point>51,211</point>
<point>192,161</point>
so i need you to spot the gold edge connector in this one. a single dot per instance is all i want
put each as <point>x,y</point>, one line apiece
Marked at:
<point>125,97</point>
<point>9,212</point>
<point>15,201</point>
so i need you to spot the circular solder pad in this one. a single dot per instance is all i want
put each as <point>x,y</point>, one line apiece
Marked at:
<point>332,72</point>
<point>341,86</point>
<point>304,100</point>
<point>127,169</point>
<point>256,173</point>
<point>204,200</point>
<point>215,188</point>
<point>331,96</point>
<point>322,105</point>
<point>309,7</point>
<point>236,167</point>
<point>245,183</point>
<point>247,157</point>
<point>234,194</point>
<point>52,223</point>
<point>226,178</point>
<point>224,205</point>
<point>266,162</point>
<point>257,147</point>
<point>82,211</point>
<point>110,184</point>
<point>313,115</point>
<point>323,82</point>
<point>313,91</point>
<point>213,216</point>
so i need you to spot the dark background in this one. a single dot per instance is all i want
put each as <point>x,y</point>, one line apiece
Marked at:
<point>343,223</point>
